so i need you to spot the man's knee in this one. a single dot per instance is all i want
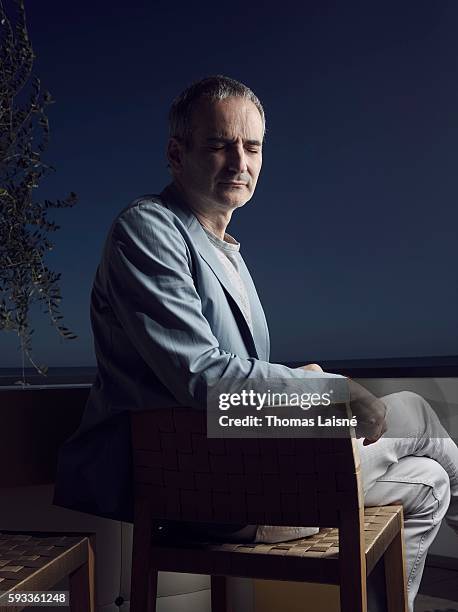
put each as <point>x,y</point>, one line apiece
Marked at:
<point>419,417</point>
<point>415,399</point>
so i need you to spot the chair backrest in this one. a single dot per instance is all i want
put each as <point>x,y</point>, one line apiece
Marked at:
<point>185,476</point>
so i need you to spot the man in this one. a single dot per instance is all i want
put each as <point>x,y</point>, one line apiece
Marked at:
<point>174,309</point>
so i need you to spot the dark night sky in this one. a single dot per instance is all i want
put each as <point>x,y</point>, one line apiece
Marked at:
<point>351,236</point>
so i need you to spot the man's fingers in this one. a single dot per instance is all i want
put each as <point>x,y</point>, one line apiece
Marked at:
<point>370,430</point>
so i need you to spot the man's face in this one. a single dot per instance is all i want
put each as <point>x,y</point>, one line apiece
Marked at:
<point>221,167</point>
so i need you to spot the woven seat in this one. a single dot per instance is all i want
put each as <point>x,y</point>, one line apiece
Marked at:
<point>181,475</point>
<point>37,561</point>
<point>261,560</point>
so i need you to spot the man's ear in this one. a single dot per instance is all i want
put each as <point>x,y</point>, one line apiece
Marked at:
<point>175,154</point>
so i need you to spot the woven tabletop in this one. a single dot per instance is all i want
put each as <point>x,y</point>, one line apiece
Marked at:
<point>25,559</point>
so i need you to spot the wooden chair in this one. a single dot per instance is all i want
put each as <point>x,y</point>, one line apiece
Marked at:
<point>181,475</point>
<point>37,561</point>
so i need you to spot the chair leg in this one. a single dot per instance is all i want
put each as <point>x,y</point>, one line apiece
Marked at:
<point>82,583</point>
<point>143,589</point>
<point>395,575</point>
<point>152,589</point>
<point>218,593</point>
<point>143,592</point>
<point>352,561</point>
<point>352,601</point>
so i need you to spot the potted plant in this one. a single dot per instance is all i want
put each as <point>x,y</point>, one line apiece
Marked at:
<point>34,419</point>
<point>25,279</point>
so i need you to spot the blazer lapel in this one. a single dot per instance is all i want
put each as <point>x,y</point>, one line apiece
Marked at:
<point>260,329</point>
<point>257,340</point>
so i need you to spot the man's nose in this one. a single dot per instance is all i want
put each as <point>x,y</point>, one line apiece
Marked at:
<point>237,159</point>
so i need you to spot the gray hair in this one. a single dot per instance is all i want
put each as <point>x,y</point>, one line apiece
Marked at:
<point>216,87</point>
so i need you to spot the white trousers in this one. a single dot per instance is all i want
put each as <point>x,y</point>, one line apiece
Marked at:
<point>418,469</point>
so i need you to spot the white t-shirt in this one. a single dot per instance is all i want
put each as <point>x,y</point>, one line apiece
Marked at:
<point>227,251</point>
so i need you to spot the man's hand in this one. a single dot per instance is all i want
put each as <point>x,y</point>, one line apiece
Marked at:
<point>368,409</point>
<point>370,412</point>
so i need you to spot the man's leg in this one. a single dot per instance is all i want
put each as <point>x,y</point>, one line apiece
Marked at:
<point>412,429</point>
<point>422,486</point>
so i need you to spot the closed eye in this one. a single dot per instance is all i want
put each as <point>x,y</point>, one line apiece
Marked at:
<point>219,148</point>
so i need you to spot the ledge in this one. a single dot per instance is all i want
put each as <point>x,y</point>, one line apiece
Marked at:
<point>403,367</point>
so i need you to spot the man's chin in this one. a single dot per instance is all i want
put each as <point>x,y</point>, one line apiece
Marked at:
<point>234,203</point>
<point>234,200</point>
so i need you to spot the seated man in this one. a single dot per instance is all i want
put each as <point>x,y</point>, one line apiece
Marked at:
<point>174,308</point>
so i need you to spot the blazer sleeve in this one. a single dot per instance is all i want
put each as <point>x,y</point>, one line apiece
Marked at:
<point>149,284</point>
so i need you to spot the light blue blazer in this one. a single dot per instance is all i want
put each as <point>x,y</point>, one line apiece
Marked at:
<point>166,322</point>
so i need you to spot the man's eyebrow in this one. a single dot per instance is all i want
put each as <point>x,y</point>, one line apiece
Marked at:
<point>256,143</point>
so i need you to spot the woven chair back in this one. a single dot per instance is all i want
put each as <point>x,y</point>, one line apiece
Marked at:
<point>186,476</point>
